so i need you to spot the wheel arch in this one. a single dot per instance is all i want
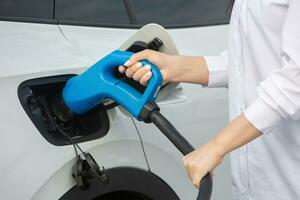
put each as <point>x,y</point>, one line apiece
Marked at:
<point>124,179</point>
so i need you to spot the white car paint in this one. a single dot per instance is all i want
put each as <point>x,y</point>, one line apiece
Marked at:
<point>36,50</point>
<point>31,48</point>
<point>29,164</point>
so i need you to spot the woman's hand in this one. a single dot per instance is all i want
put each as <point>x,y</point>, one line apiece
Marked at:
<point>168,65</point>
<point>173,68</point>
<point>201,161</point>
<point>206,158</point>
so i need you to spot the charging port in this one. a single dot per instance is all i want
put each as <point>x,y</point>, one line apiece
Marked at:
<point>35,96</point>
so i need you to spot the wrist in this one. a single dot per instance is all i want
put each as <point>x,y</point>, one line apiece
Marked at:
<point>219,147</point>
<point>178,69</point>
<point>204,73</point>
<point>191,69</point>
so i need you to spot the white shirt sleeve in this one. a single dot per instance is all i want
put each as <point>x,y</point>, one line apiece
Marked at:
<point>218,70</point>
<point>279,95</point>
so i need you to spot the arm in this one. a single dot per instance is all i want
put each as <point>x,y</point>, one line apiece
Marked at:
<point>190,69</point>
<point>174,68</point>
<point>206,158</point>
<point>231,138</point>
<point>211,71</point>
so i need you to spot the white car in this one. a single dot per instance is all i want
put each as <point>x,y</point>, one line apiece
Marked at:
<point>42,43</point>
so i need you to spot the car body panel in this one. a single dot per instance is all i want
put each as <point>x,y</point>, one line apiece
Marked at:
<point>96,42</point>
<point>29,164</point>
<point>28,48</point>
<point>206,40</point>
<point>37,50</point>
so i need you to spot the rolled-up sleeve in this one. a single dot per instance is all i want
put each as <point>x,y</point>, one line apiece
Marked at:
<point>279,94</point>
<point>218,70</point>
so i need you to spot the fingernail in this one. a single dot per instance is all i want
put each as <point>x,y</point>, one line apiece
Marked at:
<point>121,69</point>
<point>127,63</point>
<point>149,73</point>
<point>148,67</point>
<point>139,64</point>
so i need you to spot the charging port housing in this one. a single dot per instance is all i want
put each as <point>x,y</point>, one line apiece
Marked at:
<point>35,96</point>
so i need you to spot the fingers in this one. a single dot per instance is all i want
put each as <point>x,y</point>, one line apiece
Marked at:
<point>144,80</point>
<point>201,161</point>
<point>194,170</point>
<point>133,69</point>
<point>122,69</point>
<point>141,72</point>
<point>137,72</point>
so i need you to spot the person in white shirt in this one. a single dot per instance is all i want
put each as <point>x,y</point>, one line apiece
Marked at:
<point>262,72</point>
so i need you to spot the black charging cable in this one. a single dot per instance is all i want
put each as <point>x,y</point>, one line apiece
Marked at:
<point>75,145</point>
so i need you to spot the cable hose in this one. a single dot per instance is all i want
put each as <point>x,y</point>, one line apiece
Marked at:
<point>183,146</point>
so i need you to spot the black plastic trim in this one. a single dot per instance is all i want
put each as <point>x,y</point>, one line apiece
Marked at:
<point>94,24</point>
<point>137,26</point>
<point>35,95</point>
<point>125,179</point>
<point>130,12</point>
<point>29,20</point>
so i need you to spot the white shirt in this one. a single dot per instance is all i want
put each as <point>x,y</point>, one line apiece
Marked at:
<point>263,78</point>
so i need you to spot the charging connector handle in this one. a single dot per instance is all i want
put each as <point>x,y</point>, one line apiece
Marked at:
<point>97,83</point>
<point>183,146</point>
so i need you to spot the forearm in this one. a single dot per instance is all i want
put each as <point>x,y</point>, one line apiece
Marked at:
<point>192,69</point>
<point>237,133</point>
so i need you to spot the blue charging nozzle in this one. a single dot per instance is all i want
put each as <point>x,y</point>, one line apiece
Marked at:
<point>98,83</point>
